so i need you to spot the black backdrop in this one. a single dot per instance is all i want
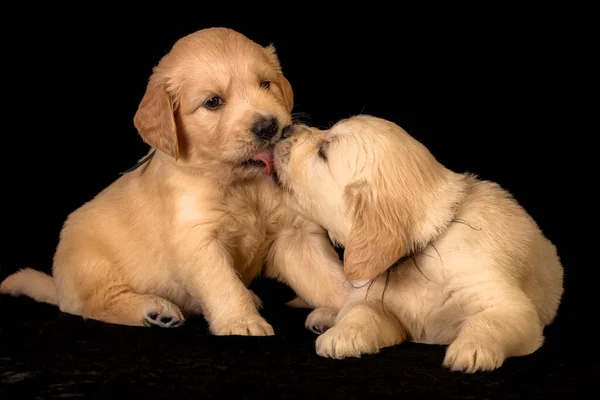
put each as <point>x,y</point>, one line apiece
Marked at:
<point>486,91</point>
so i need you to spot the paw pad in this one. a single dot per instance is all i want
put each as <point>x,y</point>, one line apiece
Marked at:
<point>154,318</point>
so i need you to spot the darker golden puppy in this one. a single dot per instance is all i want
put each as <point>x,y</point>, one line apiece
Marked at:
<point>188,231</point>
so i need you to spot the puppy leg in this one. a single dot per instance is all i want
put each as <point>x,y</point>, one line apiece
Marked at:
<point>228,305</point>
<point>360,329</point>
<point>487,338</point>
<point>304,259</point>
<point>125,307</point>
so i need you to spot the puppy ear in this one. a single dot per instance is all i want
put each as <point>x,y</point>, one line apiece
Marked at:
<point>155,119</point>
<point>379,235</point>
<point>284,84</point>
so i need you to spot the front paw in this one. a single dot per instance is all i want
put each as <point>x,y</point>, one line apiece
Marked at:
<point>347,341</point>
<point>471,356</point>
<point>321,319</point>
<point>246,326</point>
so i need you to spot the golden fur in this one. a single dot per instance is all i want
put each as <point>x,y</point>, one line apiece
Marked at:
<point>187,232</point>
<point>480,277</point>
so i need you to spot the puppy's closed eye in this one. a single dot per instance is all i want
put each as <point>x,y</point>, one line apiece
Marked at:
<point>265,84</point>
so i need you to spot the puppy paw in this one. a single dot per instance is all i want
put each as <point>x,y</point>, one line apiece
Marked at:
<point>164,314</point>
<point>248,326</point>
<point>346,341</point>
<point>321,319</point>
<point>471,356</point>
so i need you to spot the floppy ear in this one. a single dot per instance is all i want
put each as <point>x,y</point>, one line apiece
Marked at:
<point>284,84</point>
<point>380,233</point>
<point>155,120</point>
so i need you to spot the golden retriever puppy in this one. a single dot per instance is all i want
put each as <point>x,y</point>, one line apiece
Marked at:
<point>188,230</point>
<point>434,256</point>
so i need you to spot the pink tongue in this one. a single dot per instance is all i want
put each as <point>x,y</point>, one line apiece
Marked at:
<point>266,158</point>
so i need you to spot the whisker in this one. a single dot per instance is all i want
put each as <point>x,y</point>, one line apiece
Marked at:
<point>301,121</point>
<point>371,282</point>
<point>460,221</point>
<point>300,117</point>
<point>387,280</point>
<point>300,114</point>
<point>361,286</point>
<point>419,268</point>
<point>427,255</point>
<point>438,253</point>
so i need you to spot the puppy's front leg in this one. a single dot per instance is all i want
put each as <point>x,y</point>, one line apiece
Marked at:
<point>360,328</point>
<point>303,258</point>
<point>229,307</point>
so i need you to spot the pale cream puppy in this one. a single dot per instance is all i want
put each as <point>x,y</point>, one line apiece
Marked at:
<point>187,231</point>
<point>480,276</point>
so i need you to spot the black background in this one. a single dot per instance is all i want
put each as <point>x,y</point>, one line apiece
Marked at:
<point>494,92</point>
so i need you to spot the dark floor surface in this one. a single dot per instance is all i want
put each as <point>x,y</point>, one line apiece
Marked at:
<point>47,354</point>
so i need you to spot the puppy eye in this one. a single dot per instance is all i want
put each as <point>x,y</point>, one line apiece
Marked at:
<point>213,103</point>
<point>322,153</point>
<point>265,84</point>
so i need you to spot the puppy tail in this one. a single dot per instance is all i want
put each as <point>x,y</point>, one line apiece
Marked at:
<point>32,283</point>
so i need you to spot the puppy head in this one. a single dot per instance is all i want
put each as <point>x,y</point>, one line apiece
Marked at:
<point>216,99</point>
<point>379,192</point>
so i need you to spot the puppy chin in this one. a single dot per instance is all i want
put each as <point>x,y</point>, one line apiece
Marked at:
<point>247,171</point>
<point>241,173</point>
<point>257,163</point>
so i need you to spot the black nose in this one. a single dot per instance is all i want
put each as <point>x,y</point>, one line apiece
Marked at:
<point>265,127</point>
<point>287,131</point>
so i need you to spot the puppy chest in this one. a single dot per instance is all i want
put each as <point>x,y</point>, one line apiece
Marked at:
<point>245,236</point>
<point>233,220</point>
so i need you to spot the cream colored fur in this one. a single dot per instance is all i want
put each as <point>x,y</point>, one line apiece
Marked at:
<point>482,278</point>
<point>186,232</point>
